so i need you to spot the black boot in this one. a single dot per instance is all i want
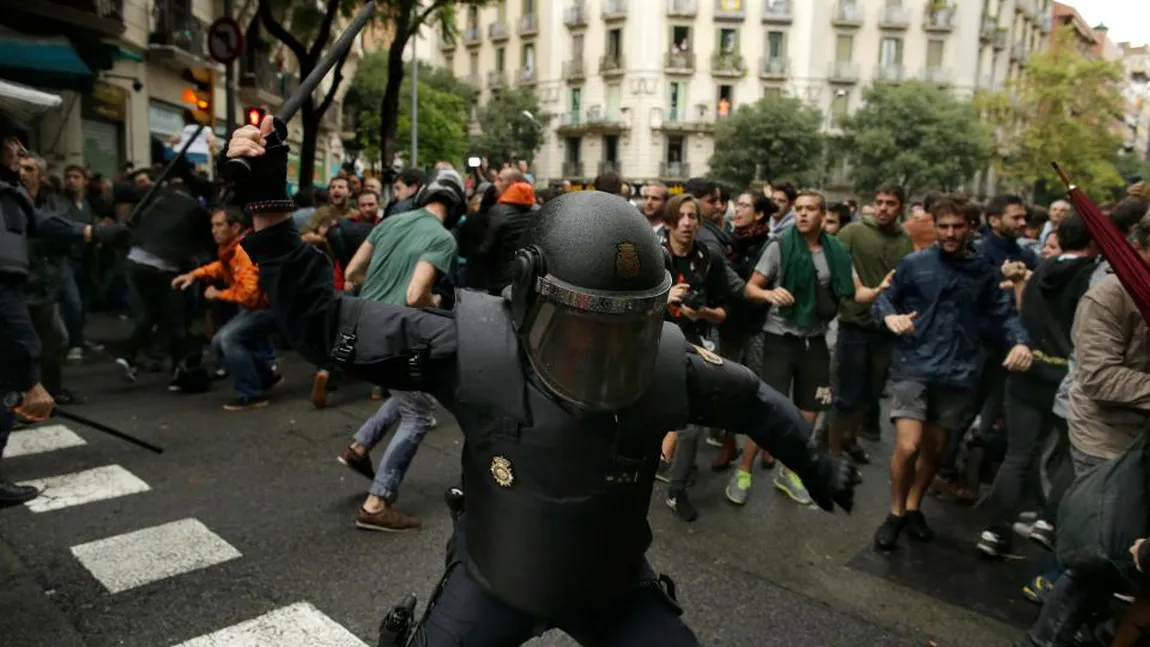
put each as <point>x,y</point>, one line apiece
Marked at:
<point>12,494</point>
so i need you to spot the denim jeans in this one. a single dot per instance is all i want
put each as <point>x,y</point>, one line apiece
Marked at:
<point>413,409</point>
<point>242,344</point>
<point>72,306</point>
<point>1027,426</point>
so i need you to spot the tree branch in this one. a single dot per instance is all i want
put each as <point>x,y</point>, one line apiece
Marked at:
<point>264,9</point>
<point>335,81</point>
<point>422,18</point>
<point>324,34</point>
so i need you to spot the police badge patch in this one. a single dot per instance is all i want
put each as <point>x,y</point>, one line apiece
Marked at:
<point>708,356</point>
<point>501,472</point>
<point>626,260</point>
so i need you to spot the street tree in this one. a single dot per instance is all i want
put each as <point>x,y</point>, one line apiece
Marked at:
<point>444,109</point>
<point>772,139</point>
<point>1066,108</point>
<point>916,135</point>
<point>511,127</point>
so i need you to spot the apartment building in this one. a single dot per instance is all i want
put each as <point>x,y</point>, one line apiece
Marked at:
<point>1137,65</point>
<point>637,86</point>
<point>124,104</point>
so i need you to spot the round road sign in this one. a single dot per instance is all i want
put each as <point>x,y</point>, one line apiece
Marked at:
<point>225,40</point>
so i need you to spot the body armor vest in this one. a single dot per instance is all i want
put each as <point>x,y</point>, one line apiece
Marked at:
<point>16,225</point>
<point>557,498</point>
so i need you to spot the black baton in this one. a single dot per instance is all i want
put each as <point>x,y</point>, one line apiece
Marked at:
<point>164,175</point>
<point>238,169</point>
<point>14,399</point>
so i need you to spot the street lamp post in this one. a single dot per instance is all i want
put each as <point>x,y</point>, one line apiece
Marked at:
<point>414,102</point>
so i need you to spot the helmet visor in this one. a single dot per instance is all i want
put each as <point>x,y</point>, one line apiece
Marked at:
<point>595,351</point>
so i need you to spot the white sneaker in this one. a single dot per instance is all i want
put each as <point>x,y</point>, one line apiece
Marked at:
<point>75,354</point>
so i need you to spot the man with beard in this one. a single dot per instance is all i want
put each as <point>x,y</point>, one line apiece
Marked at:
<point>654,198</point>
<point>938,303</point>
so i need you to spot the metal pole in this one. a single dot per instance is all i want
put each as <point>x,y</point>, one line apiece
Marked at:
<point>164,175</point>
<point>414,102</point>
<point>230,81</point>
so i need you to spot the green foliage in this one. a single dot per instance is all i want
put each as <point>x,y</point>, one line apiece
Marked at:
<point>1127,165</point>
<point>506,134</point>
<point>443,110</point>
<point>1065,109</point>
<point>779,136</point>
<point>916,135</point>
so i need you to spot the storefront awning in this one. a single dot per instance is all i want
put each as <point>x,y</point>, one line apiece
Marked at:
<point>127,54</point>
<point>46,63</point>
<point>24,104</point>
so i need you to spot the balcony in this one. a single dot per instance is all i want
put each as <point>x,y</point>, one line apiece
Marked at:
<point>937,74</point>
<point>528,25</point>
<point>596,120</point>
<point>729,10</point>
<point>614,10</point>
<point>610,166</point>
<point>939,20</point>
<point>611,65</point>
<point>262,83</point>
<point>988,28</point>
<point>1000,35</point>
<point>778,12</point>
<point>674,170</point>
<point>496,80</point>
<point>843,72</point>
<point>474,80</point>
<point>847,14</point>
<point>103,17</point>
<point>679,62</point>
<point>572,169</point>
<point>446,44</point>
<point>575,16</point>
<point>525,76</point>
<point>729,66</point>
<point>473,36</point>
<point>178,36</point>
<point>574,70</point>
<point>893,18</point>
<point>774,68</point>
<point>677,121</point>
<point>498,31</point>
<point>888,72</point>
<point>682,8</point>
<point>1018,53</point>
<point>1044,23</point>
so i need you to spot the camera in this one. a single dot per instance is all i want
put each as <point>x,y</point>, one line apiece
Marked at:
<point>695,299</point>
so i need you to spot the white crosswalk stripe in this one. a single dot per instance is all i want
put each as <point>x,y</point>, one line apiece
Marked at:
<point>40,440</point>
<point>298,624</point>
<point>98,484</point>
<point>137,558</point>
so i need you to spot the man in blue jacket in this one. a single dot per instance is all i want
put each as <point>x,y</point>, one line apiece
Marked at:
<point>940,302</point>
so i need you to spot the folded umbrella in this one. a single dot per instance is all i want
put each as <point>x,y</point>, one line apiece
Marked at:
<point>1131,270</point>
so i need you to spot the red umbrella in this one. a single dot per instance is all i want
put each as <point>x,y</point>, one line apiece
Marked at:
<point>1127,264</point>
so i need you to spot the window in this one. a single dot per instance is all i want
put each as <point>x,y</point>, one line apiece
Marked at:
<point>472,18</point>
<point>731,5</point>
<point>890,52</point>
<point>776,45</point>
<point>528,7</point>
<point>501,13</point>
<point>728,40</point>
<point>772,93</point>
<point>674,149</point>
<point>934,53</point>
<point>577,47</point>
<point>527,56</point>
<point>613,94</point>
<point>500,58</point>
<point>614,43</point>
<point>473,64</point>
<point>680,39</point>
<point>572,149</point>
<point>726,100</point>
<point>611,149</point>
<point>677,108</point>
<point>840,106</point>
<point>844,46</point>
<point>576,104</point>
<point>449,62</point>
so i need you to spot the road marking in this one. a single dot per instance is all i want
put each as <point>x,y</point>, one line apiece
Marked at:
<point>67,490</point>
<point>137,558</point>
<point>298,624</point>
<point>40,440</point>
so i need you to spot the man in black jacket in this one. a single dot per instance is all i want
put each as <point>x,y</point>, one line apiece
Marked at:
<point>503,229</point>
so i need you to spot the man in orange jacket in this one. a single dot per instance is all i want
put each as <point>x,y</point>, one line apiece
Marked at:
<point>241,343</point>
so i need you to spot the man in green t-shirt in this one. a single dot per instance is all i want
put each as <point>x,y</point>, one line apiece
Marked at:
<point>398,264</point>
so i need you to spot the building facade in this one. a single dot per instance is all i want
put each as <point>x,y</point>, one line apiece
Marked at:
<point>636,86</point>
<point>1136,61</point>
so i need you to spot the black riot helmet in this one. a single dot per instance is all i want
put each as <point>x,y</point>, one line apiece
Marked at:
<point>444,186</point>
<point>587,298</point>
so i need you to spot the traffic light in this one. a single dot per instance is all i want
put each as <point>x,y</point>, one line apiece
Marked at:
<point>256,116</point>
<point>198,97</point>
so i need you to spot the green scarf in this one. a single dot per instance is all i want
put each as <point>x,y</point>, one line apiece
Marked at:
<point>797,270</point>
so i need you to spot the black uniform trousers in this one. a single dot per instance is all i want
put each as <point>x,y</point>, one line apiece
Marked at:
<point>462,614</point>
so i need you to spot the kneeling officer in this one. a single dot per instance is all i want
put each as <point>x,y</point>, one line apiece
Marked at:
<point>563,393</point>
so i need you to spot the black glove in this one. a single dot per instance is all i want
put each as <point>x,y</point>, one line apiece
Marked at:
<point>114,234</point>
<point>833,483</point>
<point>267,179</point>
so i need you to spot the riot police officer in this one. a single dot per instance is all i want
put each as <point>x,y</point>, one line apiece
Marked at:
<point>563,393</point>
<point>19,346</point>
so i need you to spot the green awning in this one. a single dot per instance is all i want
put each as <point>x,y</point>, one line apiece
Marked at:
<point>45,63</point>
<point>127,54</point>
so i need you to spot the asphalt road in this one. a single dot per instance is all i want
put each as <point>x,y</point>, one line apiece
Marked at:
<point>245,526</point>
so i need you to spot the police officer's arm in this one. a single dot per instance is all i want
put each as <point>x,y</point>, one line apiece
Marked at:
<point>19,345</point>
<point>725,395</point>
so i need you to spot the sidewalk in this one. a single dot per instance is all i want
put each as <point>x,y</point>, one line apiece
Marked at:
<point>28,616</point>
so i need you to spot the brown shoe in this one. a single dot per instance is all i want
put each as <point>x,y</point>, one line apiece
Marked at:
<point>359,463</point>
<point>386,520</point>
<point>319,389</point>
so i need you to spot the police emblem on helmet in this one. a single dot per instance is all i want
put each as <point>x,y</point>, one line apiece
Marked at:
<point>626,260</point>
<point>501,472</point>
